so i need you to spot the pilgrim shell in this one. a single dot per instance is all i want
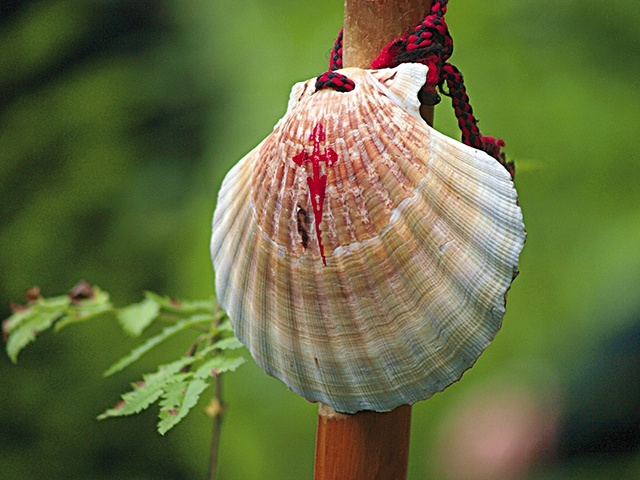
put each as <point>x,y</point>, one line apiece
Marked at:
<point>363,257</point>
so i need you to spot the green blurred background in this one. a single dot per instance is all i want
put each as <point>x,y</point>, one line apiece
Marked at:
<point>118,121</point>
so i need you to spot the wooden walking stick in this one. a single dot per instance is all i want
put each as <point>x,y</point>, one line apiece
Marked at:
<point>368,445</point>
<point>370,24</point>
<point>363,446</point>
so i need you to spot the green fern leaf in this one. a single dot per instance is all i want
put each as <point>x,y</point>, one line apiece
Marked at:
<point>173,394</point>
<point>231,343</point>
<point>23,327</point>
<point>23,314</point>
<point>150,389</point>
<point>218,365</point>
<point>20,316</point>
<point>183,306</point>
<point>86,309</point>
<point>26,323</point>
<point>135,318</point>
<point>154,341</point>
<point>178,399</point>
<point>177,386</point>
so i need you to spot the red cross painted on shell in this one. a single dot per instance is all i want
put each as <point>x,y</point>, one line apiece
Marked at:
<point>316,181</point>
<point>362,256</point>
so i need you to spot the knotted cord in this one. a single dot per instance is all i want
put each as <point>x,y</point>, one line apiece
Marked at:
<point>335,80</point>
<point>431,44</point>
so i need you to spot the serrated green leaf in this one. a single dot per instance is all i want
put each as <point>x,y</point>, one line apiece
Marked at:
<point>184,307</point>
<point>18,317</point>
<point>218,365</point>
<point>26,330</point>
<point>178,399</point>
<point>173,394</point>
<point>154,341</point>
<point>150,389</point>
<point>225,344</point>
<point>135,318</point>
<point>55,304</point>
<point>86,309</point>
<point>231,343</point>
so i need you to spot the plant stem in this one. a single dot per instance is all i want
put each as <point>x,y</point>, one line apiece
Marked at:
<point>369,445</point>
<point>216,411</point>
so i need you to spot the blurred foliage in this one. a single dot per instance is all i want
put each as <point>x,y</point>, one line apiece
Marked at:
<point>118,120</point>
<point>176,386</point>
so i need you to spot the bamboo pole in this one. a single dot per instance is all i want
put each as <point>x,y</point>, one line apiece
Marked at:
<point>369,445</point>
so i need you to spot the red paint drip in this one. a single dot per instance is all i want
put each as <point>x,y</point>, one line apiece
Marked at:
<point>317,182</point>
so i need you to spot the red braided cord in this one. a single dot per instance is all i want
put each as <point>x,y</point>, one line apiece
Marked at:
<point>467,122</point>
<point>331,78</point>
<point>461,106</point>
<point>336,81</point>
<point>431,44</point>
<point>335,61</point>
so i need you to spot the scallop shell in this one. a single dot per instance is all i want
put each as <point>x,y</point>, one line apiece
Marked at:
<point>362,256</point>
